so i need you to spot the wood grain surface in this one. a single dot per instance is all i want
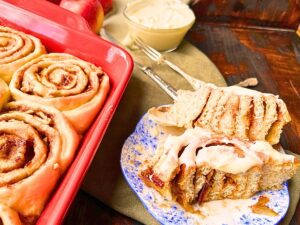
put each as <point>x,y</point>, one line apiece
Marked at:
<point>244,38</point>
<point>268,13</point>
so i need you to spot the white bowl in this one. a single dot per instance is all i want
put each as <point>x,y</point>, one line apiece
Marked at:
<point>164,30</point>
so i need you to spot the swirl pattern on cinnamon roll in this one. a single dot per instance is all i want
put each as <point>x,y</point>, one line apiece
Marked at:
<point>37,144</point>
<point>16,49</point>
<point>74,86</point>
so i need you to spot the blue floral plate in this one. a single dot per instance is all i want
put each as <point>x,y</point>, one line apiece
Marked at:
<point>140,147</point>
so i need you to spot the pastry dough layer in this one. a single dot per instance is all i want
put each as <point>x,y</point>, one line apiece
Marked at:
<point>74,86</point>
<point>16,49</point>
<point>37,145</point>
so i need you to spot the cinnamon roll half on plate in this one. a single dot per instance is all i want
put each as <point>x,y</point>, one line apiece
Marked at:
<point>233,111</point>
<point>75,87</point>
<point>16,49</point>
<point>200,166</point>
<point>37,145</point>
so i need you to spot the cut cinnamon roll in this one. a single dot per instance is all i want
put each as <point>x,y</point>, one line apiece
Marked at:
<point>233,111</point>
<point>37,145</point>
<point>16,49</point>
<point>200,166</point>
<point>74,86</point>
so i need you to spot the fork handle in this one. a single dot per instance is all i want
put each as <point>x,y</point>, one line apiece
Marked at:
<point>160,82</point>
<point>195,83</point>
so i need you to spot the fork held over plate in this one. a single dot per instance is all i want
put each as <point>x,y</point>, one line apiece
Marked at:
<point>159,58</point>
<point>195,83</point>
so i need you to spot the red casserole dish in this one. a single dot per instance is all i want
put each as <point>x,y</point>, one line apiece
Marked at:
<point>69,33</point>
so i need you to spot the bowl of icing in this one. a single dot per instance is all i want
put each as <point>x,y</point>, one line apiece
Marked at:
<point>160,24</point>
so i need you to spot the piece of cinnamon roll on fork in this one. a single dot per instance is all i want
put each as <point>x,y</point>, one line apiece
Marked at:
<point>233,111</point>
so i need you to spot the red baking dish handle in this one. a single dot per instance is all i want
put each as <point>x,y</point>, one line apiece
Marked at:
<point>54,13</point>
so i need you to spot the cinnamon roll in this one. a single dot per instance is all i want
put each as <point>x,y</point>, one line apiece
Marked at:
<point>233,111</point>
<point>16,49</point>
<point>74,86</point>
<point>37,145</point>
<point>200,166</point>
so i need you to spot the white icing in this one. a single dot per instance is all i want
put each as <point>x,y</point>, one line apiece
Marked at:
<point>270,153</point>
<point>225,159</point>
<point>172,146</point>
<point>216,211</point>
<point>169,159</point>
<point>157,14</point>
<point>217,151</point>
<point>188,156</point>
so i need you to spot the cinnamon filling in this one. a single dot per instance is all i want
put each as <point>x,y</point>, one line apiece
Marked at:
<point>29,152</point>
<point>203,192</point>
<point>28,219</point>
<point>164,109</point>
<point>250,115</point>
<point>14,152</point>
<point>149,175</point>
<point>261,207</point>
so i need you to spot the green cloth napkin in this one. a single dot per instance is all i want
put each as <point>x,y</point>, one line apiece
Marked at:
<point>104,179</point>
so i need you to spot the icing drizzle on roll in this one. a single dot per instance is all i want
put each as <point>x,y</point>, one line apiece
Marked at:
<point>197,147</point>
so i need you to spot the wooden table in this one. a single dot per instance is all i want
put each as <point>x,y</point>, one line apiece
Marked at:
<point>239,50</point>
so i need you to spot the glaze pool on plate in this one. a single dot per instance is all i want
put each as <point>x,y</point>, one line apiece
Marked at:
<point>141,145</point>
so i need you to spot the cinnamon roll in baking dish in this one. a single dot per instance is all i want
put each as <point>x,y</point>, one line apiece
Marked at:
<point>16,49</point>
<point>74,86</point>
<point>200,166</point>
<point>233,111</point>
<point>37,144</point>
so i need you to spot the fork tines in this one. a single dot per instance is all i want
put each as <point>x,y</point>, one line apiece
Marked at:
<point>148,50</point>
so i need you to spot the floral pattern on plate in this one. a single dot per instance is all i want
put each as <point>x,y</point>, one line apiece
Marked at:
<point>140,147</point>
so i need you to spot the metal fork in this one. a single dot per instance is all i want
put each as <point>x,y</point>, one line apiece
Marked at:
<point>195,83</point>
<point>158,57</point>
<point>164,85</point>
